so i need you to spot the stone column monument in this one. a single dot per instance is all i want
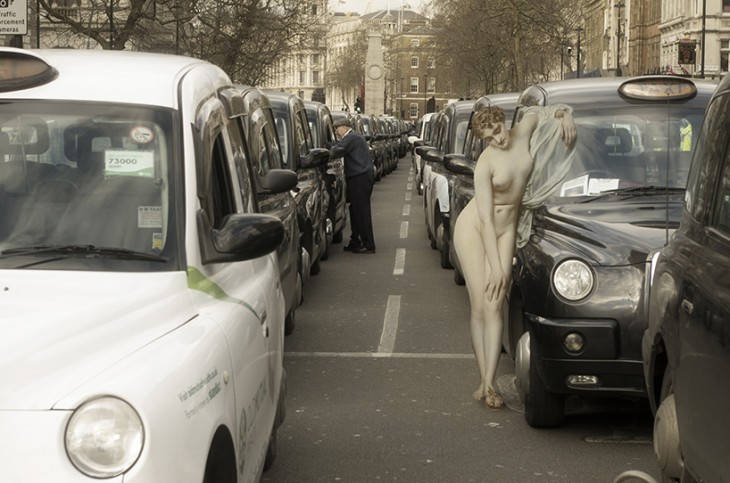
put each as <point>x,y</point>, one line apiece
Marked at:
<point>374,76</point>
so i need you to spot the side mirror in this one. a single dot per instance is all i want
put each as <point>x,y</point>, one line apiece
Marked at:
<point>413,139</point>
<point>277,181</point>
<point>459,164</point>
<point>242,237</point>
<point>314,158</point>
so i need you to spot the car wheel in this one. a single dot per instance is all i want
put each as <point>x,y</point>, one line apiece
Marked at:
<point>445,261</point>
<point>543,409</point>
<point>458,277</point>
<point>270,451</point>
<point>316,267</point>
<point>667,446</point>
<point>290,321</point>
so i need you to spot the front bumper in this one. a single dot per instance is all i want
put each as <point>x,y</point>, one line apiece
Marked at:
<point>599,366</point>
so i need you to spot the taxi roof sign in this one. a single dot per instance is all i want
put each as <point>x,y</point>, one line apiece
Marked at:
<point>658,88</point>
<point>21,70</point>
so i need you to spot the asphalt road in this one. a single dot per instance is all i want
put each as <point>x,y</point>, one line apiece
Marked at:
<point>381,373</point>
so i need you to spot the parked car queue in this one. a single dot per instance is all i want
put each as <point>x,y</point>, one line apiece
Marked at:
<point>168,219</point>
<point>578,304</point>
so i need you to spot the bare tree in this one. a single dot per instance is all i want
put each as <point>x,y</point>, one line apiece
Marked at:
<point>500,45</point>
<point>346,71</point>
<point>244,37</point>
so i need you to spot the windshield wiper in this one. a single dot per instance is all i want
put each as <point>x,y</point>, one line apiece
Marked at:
<point>121,253</point>
<point>636,191</point>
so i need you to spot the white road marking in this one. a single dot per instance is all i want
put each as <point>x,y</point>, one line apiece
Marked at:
<point>409,186</point>
<point>406,209</point>
<point>400,261</point>
<point>408,196</point>
<point>410,176</point>
<point>404,229</point>
<point>390,325</point>
<point>375,355</point>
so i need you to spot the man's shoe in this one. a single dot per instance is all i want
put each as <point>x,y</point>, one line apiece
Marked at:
<point>363,250</point>
<point>351,248</point>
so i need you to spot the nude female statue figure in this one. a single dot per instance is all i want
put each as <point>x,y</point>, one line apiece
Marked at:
<point>486,232</point>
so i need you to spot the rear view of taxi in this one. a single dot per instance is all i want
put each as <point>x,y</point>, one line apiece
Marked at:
<point>142,315</point>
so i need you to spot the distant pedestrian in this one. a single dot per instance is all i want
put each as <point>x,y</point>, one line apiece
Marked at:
<point>360,178</point>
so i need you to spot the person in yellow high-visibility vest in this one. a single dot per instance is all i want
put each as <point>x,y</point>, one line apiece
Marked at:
<point>685,136</point>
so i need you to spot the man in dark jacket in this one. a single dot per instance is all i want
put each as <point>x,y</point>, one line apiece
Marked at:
<point>360,177</point>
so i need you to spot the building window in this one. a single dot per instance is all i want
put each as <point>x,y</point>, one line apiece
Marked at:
<point>302,77</point>
<point>315,59</point>
<point>315,77</point>
<point>430,84</point>
<point>415,43</point>
<point>726,5</point>
<point>314,9</point>
<point>413,110</point>
<point>414,84</point>
<point>414,62</point>
<point>431,63</point>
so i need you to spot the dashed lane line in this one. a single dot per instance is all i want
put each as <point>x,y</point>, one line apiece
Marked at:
<point>406,209</point>
<point>404,229</point>
<point>400,261</point>
<point>390,325</point>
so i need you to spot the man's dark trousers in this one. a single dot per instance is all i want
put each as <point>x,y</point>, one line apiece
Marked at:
<point>359,189</point>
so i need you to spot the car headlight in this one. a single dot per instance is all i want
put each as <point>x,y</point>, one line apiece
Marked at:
<point>104,437</point>
<point>573,279</point>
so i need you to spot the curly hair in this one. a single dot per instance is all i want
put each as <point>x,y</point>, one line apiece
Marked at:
<point>486,118</point>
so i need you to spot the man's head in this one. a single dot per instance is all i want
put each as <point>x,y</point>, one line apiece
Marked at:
<point>342,125</point>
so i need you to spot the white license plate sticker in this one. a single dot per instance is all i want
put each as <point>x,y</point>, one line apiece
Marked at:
<point>118,162</point>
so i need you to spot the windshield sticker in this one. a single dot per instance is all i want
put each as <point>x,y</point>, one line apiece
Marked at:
<point>149,217</point>
<point>599,185</point>
<point>118,162</point>
<point>157,241</point>
<point>199,394</point>
<point>575,187</point>
<point>141,134</point>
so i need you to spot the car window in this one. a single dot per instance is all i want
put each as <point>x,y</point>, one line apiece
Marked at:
<point>84,174</point>
<point>711,146</point>
<point>246,201</point>
<point>282,129</point>
<point>629,147</point>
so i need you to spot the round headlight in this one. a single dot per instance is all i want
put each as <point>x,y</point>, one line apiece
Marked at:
<point>573,279</point>
<point>104,437</point>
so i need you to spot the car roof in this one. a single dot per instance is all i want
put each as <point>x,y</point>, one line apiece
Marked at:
<point>597,90</point>
<point>111,76</point>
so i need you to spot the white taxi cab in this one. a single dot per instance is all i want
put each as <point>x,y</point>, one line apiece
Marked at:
<point>141,309</point>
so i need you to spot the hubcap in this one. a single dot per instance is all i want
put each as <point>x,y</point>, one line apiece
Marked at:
<point>666,439</point>
<point>522,366</point>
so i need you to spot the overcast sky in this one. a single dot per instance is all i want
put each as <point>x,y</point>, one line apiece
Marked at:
<point>365,6</point>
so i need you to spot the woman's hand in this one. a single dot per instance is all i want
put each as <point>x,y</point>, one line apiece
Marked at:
<point>496,283</point>
<point>568,131</point>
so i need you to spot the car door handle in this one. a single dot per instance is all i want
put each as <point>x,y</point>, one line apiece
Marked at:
<point>688,306</point>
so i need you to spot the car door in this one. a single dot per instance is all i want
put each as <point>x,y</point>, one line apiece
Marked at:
<point>246,291</point>
<point>704,312</point>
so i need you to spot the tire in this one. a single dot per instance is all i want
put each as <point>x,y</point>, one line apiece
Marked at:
<point>458,277</point>
<point>543,409</point>
<point>445,260</point>
<point>290,322</point>
<point>316,267</point>
<point>667,446</point>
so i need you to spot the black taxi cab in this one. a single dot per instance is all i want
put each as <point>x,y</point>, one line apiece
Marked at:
<point>301,156</point>
<point>576,306</point>
<point>686,349</point>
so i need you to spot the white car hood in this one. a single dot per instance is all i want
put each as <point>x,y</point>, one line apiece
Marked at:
<point>59,329</point>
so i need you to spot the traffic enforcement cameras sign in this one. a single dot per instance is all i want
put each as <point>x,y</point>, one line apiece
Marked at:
<point>13,17</point>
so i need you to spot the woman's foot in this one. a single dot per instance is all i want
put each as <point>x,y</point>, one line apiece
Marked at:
<point>492,399</point>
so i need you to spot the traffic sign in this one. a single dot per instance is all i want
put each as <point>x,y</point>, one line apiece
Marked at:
<point>13,17</point>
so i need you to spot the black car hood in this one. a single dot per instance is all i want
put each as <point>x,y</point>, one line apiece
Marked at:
<point>610,231</point>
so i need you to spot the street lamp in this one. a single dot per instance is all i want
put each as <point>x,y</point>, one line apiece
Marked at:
<point>577,65</point>
<point>704,18</point>
<point>619,6</point>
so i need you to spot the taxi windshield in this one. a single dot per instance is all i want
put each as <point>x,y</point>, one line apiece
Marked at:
<point>86,187</point>
<point>632,147</point>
